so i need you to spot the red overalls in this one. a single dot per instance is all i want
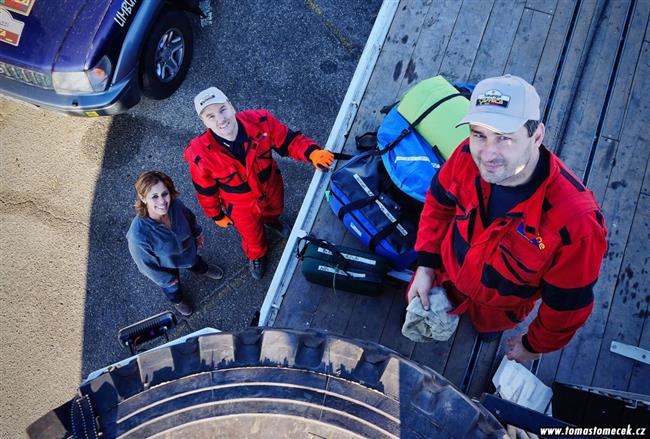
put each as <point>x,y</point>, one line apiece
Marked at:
<point>549,246</point>
<point>250,195</point>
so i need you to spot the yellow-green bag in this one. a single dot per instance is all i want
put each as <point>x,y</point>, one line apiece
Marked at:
<point>439,127</point>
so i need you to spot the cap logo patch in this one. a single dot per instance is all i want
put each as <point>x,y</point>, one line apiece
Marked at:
<point>207,98</point>
<point>493,97</point>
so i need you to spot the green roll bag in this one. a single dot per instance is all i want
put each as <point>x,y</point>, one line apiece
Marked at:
<point>439,127</point>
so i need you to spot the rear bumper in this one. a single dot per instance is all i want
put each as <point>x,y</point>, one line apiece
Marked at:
<point>117,99</point>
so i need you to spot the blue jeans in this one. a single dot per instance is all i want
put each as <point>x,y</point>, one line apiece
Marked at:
<point>174,293</point>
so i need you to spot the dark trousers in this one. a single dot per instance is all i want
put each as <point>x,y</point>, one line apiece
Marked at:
<point>174,293</point>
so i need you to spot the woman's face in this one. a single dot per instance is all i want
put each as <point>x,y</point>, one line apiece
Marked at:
<point>157,200</point>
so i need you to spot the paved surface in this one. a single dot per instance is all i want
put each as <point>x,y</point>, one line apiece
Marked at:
<point>67,282</point>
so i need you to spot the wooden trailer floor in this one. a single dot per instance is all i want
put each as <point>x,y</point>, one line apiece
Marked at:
<point>589,61</point>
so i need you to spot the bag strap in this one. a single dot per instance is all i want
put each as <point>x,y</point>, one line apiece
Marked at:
<point>368,140</point>
<point>382,234</point>
<point>342,156</point>
<point>406,131</point>
<point>356,205</point>
<point>311,239</point>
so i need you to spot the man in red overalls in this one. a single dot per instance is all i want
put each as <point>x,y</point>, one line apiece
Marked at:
<point>237,181</point>
<point>505,223</point>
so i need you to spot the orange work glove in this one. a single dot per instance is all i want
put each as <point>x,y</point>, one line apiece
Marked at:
<point>223,222</point>
<point>322,159</point>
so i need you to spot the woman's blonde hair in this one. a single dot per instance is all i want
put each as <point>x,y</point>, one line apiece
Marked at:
<point>143,185</point>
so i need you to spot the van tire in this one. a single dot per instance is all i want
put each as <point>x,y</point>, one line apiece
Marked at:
<point>171,31</point>
<point>267,382</point>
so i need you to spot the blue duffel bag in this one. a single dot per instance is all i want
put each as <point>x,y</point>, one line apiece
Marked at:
<point>412,162</point>
<point>366,200</point>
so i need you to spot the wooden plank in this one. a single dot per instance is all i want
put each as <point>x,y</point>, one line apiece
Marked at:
<point>591,94</point>
<point>432,43</point>
<point>481,380</point>
<point>434,354</point>
<point>574,59</point>
<point>547,6</point>
<point>499,35</point>
<point>391,335</point>
<point>550,59</point>
<point>465,39</point>
<point>528,47</point>
<point>299,304</point>
<point>613,123</point>
<point>577,364</point>
<point>334,311</point>
<point>604,162</point>
<point>370,314</point>
<point>639,382</point>
<point>548,365</point>
<point>629,305</point>
<point>385,83</point>
<point>460,352</point>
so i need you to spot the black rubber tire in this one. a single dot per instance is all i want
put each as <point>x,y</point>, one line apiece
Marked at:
<point>267,382</point>
<point>151,85</point>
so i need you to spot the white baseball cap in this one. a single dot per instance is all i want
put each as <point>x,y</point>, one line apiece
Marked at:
<point>503,104</point>
<point>207,97</point>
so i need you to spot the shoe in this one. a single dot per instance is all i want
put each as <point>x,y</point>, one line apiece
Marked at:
<point>257,267</point>
<point>214,272</point>
<point>184,308</point>
<point>488,337</point>
<point>280,228</point>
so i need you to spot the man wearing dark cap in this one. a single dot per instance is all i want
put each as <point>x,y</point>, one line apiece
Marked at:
<point>505,223</point>
<point>237,181</point>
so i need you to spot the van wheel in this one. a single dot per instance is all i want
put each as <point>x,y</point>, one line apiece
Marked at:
<point>267,382</point>
<point>167,55</point>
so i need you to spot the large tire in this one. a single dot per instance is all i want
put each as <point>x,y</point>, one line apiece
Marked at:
<point>167,55</point>
<point>267,382</point>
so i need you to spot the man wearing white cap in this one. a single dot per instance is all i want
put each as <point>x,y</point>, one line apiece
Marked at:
<point>505,223</point>
<point>237,181</point>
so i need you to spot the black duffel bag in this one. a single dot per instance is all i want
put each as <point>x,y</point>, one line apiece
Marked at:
<point>340,267</point>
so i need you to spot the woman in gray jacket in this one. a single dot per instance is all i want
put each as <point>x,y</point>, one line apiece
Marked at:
<point>164,236</point>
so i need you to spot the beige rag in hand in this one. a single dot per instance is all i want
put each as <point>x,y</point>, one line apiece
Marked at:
<point>435,324</point>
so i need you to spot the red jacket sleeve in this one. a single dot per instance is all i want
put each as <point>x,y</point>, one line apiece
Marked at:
<point>287,142</point>
<point>437,215</point>
<point>567,293</point>
<point>206,187</point>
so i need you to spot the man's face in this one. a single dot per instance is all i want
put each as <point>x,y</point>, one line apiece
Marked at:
<point>220,118</point>
<point>505,158</point>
